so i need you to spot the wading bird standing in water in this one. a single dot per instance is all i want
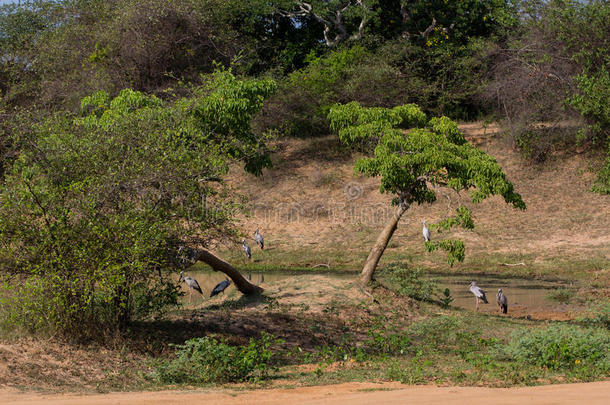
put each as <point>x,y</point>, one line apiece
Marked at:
<point>220,287</point>
<point>426,232</point>
<point>259,239</point>
<point>478,294</point>
<point>192,284</point>
<point>502,301</point>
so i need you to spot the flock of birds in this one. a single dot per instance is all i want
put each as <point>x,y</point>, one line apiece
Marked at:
<point>222,286</point>
<point>479,294</point>
<point>193,285</point>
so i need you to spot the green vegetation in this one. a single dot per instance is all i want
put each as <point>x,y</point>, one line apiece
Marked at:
<point>413,156</point>
<point>124,129</point>
<point>208,360</point>
<point>96,206</point>
<point>562,347</point>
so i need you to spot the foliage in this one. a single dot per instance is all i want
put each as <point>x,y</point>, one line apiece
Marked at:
<point>563,295</point>
<point>411,282</point>
<point>561,347</point>
<point>446,298</point>
<point>552,81</point>
<point>94,208</point>
<point>598,316</point>
<point>208,360</point>
<point>412,156</point>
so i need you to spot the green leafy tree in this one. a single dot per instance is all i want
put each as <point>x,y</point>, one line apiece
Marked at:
<point>97,208</point>
<point>413,156</point>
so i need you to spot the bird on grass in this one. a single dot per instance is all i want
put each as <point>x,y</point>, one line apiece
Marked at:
<point>478,294</point>
<point>246,248</point>
<point>192,284</point>
<point>220,287</point>
<point>426,232</point>
<point>502,301</point>
<point>259,239</point>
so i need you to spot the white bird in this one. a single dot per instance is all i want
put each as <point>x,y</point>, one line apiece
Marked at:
<point>246,248</point>
<point>426,232</point>
<point>502,301</point>
<point>192,283</point>
<point>259,239</point>
<point>478,294</point>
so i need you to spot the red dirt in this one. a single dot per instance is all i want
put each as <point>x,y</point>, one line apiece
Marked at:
<point>352,393</point>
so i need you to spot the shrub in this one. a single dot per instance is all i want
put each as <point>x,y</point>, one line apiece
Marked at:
<point>411,282</point>
<point>209,360</point>
<point>561,347</point>
<point>95,207</point>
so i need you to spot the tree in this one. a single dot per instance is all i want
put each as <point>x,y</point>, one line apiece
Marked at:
<point>97,208</point>
<point>336,17</point>
<point>414,156</point>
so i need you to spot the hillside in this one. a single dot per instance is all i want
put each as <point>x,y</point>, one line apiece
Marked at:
<point>311,200</point>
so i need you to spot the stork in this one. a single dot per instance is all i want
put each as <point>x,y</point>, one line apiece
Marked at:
<point>426,232</point>
<point>478,294</point>
<point>192,284</point>
<point>502,301</point>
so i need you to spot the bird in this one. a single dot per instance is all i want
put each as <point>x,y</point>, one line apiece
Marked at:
<point>259,239</point>
<point>478,294</point>
<point>192,283</point>
<point>502,301</point>
<point>220,287</point>
<point>426,232</point>
<point>246,248</point>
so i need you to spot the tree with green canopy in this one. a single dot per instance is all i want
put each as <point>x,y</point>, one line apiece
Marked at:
<point>414,156</point>
<point>100,209</point>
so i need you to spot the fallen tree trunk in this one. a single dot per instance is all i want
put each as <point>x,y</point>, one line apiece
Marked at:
<point>217,264</point>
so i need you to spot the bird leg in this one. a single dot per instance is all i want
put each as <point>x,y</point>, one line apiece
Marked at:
<point>477,303</point>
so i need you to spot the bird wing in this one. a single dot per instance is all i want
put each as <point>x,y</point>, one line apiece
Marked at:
<point>477,291</point>
<point>195,285</point>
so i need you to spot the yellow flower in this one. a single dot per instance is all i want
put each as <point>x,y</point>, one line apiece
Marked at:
<point>428,43</point>
<point>576,361</point>
<point>484,18</point>
<point>352,360</point>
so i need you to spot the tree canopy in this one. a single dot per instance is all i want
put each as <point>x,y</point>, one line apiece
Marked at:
<point>97,206</point>
<point>413,156</point>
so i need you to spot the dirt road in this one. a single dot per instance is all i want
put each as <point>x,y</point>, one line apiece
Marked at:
<point>350,393</point>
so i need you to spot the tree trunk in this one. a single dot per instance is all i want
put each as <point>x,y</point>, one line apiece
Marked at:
<point>382,242</point>
<point>217,264</point>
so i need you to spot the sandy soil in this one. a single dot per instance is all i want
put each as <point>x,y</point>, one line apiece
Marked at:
<point>352,393</point>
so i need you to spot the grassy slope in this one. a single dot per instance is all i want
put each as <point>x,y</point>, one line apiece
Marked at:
<point>301,207</point>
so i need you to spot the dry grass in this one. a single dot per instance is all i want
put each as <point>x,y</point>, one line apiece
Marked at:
<point>302,207</point>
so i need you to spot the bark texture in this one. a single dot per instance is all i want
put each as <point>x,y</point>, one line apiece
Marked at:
<point>382,242</point>
<point>216,263</point>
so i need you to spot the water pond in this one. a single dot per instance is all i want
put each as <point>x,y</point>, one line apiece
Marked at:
<point>523,294</point>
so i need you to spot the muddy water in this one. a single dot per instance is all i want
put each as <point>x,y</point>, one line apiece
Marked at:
<point>523,294</point>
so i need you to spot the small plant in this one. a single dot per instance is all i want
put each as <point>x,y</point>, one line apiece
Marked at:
<point>561,347</point>
<point>208,360</point>
<point>562,295</point>
<point>446,299</point>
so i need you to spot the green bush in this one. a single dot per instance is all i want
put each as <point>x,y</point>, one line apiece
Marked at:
<point>94,207</point>
<point>411,282</point>
<point>208,360</point>
<point>561,347</point>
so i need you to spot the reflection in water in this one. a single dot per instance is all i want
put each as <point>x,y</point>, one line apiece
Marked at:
<point>520,292</point>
